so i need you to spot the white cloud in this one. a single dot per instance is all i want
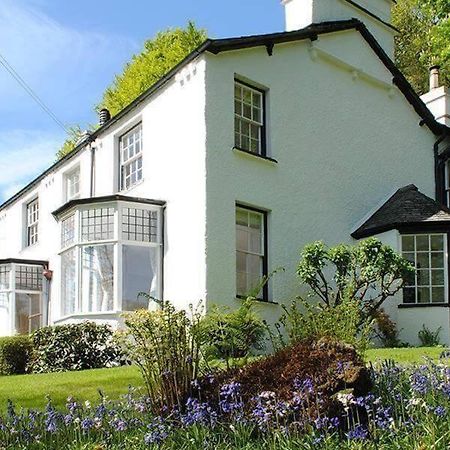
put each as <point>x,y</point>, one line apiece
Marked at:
<point>63,64</point>
<point>24,155</point>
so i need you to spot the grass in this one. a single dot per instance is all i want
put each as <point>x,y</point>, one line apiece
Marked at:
<point>416,355</point>
<point>30,391</point>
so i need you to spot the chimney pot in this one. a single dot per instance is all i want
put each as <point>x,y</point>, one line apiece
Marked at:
<point>434,77</point>
<point>103,116</point>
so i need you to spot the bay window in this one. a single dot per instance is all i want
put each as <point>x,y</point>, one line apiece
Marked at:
<point>111,252</point>
<point>428,254</point>
<point>21,294</point>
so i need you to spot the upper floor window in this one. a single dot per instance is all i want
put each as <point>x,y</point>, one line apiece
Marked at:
<point>251,256</point>
<point>428,254</point>
<point>249,129</point>
<point>130,150</point>
<point>72,184</point>
<point>32,222</point>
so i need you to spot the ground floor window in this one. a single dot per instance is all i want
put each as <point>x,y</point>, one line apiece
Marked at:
<point>113,255</point>
<point>428,254</point>
<point>251,253</point>
<point>22,296</point>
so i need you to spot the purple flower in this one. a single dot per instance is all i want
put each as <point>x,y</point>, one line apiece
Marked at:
<point>87,424</point>
<point>359,433</point>
<point>440,411</point>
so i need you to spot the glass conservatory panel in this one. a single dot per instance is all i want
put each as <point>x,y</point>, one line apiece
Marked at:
<point>140,274</point>
<point>97,278</point>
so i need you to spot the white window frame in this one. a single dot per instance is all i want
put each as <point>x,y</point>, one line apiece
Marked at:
<point>69,182</point>
<point>262,255</point>
<point>118,241</point>
<point>240,118</point>
<point>125,183</point>
<point>416,285</point>
<point>32,218</point>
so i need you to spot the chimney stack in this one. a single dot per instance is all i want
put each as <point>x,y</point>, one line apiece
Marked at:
<point>434,77</point>
<point>438,98</point>
<point>103,116</point>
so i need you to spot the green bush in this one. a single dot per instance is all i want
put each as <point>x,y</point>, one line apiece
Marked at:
<point>429,338</point>
<point>15,354</point>
<point>305,321</point>
<point>79,346</point>
<point>226,334</point>
<point>162,343</point>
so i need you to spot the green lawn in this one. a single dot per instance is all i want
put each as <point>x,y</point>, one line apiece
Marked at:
<point>405,355</point>
<point>30,391</point>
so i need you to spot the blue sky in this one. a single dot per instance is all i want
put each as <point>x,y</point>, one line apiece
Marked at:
<point>69,51</point>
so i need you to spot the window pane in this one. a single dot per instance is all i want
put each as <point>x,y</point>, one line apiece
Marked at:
<point>28,313</point>
<point>423,295</point>
<point>97,278</point>
<point>131,157</point>
<point>5,271</point>
<point>140,225</point>
<point>423,260</point>
<point>242,238</point>
<point>28,278</point>
<point>97,224</point>
<point>140,274</point>
<point>409,295</point>
<point>68,231</point>
<point>408,243</point>
<point>437,260</point>
<point>68,282</point>
<point>438,295</point>
<point>437,277</point>
<point>32,222</point>
<point>423,277</point>
<point>437,242</point>
<point>422,243</point>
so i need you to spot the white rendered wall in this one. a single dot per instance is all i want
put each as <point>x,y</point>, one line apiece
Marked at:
<point>342,145</point>
<point>173,122</point>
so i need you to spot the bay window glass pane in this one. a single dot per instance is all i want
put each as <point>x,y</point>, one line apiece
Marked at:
<point>97,224</point>
<point>28,278</point>
<point>97,278</point>
<point>69,281</point>
<point>68,231</point>
<point>28,312</point>
<point>139,225</point>
<point>141,268</point>
<point>5,271</point>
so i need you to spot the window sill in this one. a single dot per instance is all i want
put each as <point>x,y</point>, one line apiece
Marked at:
<point>423,305</point>
<point>260,300</point>
<point>255,155</point>
<point>88,314</point>
<point>126,191</point>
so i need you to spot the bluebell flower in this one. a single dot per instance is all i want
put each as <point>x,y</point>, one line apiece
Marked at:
<point>359,433</point>
<point>440,411</point>
<point>87,424</point>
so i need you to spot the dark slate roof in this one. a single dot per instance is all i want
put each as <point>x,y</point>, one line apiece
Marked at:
<point>104,199</point>
<point>216,46</point>
<point>407,206</point>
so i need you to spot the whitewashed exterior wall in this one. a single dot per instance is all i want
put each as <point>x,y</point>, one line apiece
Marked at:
<point>173,126</point>
<point>343,144</point>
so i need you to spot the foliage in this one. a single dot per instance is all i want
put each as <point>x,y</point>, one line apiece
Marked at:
<point>159,55</point>
<point>14,354</point>
<point>429,338</point>
<point>408,409</point>
<point>424,39</point>
<point>305,321</point>
<point>85,345</point>
<point>162,343</point>
<point>386,330</point>
<point>368,272</point>
<point>226,334</point>
<point>73,136</point>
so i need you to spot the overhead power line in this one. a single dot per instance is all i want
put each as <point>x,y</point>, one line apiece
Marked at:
<point>30,92</point>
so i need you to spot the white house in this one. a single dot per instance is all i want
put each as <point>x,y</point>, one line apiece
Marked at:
<point>224,169</point>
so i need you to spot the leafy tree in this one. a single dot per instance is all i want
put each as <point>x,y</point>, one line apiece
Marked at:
<point>159,55</point>
<point>368,272</point>
<point>424,39</point>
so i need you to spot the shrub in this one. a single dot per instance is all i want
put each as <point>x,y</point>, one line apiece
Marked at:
<point>226,334</point>
<point>386,330</point>
<point>15,354</point>
<point>80,346</point>
<point>305,321</point>
<point>162,343</point>
<point>429,338</point>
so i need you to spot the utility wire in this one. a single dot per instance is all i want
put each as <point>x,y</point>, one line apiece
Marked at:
<point>33,95</point>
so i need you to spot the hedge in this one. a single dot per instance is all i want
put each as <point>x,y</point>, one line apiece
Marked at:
<point>15,353</point>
